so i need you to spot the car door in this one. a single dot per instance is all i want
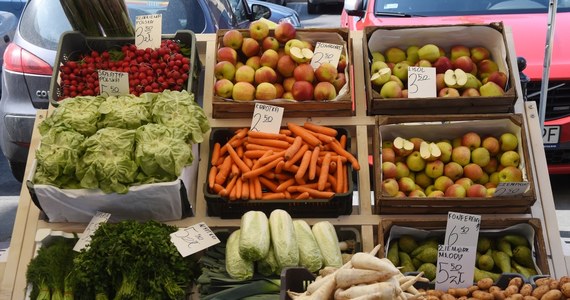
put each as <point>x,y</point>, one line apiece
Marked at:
<point>230,13</point>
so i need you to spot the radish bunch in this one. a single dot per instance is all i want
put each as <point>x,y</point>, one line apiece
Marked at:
<point>150,70</point>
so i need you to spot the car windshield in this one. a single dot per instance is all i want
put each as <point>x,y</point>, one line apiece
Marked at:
<point>434,8</point>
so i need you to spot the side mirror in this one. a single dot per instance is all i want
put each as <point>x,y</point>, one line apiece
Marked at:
<point>260,11</point>
<point>354,8</point>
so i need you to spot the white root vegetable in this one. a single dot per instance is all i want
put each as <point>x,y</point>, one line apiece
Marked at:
<point>385,290</point>
<point>362,260</point>
<point>325,291</point>
<point>327,271</point>
<point>410,283</point>
<point>348,277</point>
<point>402,279</point>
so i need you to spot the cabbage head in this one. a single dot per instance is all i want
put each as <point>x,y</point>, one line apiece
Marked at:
<point>129,111</point>
<point>177,109</point>
<point>57,156</point>
<point>80,114</point>
<point>161,152</point>
<point>108,162</point>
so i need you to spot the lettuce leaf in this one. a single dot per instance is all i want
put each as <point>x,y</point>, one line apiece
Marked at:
<point>80,114</point>
<point>129,112</point>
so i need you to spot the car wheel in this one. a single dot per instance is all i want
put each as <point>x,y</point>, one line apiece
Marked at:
<point>312,8</point>
<point>18,169</point>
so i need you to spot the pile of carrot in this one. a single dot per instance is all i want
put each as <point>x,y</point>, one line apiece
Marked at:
<point>299,162</point>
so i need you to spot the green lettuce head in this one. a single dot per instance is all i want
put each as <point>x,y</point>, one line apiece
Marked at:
<point>80,114</point>
<point>129,111</point>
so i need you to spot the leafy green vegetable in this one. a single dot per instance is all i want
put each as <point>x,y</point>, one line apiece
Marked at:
<point>129,111</point>
<point>108,161</point>
<point>161,151</point>
<point>132,260</point>
<point>177,109</point>
<point>80,114</point>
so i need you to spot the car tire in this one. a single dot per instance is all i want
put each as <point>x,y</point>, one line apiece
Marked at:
<point>18,169</point>
<point>312,8</point>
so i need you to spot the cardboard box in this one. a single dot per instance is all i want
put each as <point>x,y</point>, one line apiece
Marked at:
<point>491,36</point>
<point>342,105</point>
<point>391,228</point>
<point>436,128</point>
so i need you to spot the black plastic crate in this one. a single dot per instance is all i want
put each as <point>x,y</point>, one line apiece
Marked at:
<point>73,44</point>
<point>340,204</point>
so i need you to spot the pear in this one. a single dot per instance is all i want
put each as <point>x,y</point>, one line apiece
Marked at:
<point>417,263</point>
<point>526,272</point>
<point>516,239</point>
<point>502,260</point>
<point>429,52</point>
<point>407,243</point>
<point>429,270</point>
<point>486,262</point>
<point>428,255</point>
<point>392,254</point>
<point>505,246</point>
<point>427,244</point>
<point>406,263</point>
<point>523,256</point>
<point>483,244</point>
<point>479,274</point>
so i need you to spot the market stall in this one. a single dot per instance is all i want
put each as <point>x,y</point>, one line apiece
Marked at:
<point>365,214</point>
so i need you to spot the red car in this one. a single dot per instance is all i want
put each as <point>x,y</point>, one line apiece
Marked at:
<point>528,22</point>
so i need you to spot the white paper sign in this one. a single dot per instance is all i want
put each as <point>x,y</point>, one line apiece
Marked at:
<point>326,53</point>
<point>266,118</point>
<point>96,221</point>
<point>455,267</point>
<point>113,83</point>
<point>511,188</point>
<point>421,82</point>
<point>148,31</point>
<point>462,229</point>
<point>193,239</point>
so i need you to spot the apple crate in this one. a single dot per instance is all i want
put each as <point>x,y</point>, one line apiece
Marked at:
<point>491,36</point>
<point>73,44</point>
<point>435,128</point>
<point>392,228</point>
<point>223,207</point>
<point>342,105</point>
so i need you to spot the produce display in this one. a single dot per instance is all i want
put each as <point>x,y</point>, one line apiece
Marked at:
<point>470,165</point>
<point>509,253</point>
<point>149,70</point>
<point>300,162</point>
<point>260,64</point>
<point>111,143</point>
<point>461,71</point>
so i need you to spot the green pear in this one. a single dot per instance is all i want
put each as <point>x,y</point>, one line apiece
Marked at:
<point>483,244</point>
<point>486,262</point>
<point>526,272</point>
<point>392,254</point>
<point>406,263</point>
<point>523,256</point>
<point>481,274</point>
<point>407,243</point>
<point>428,255</point>
<point>429,270</point>
<point>505,246</point>
<point>516,239</point>
<point>502,260</point>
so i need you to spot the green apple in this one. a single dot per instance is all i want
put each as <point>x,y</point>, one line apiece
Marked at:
<point>510,158</point>
<point>510,174</point>
<point>455,191</point>
<point>394,55</point>
<point>480,156</point>
<point>508,141</point>
<point>415,162</point>
<point>391,89</point>
<point>429,52</point>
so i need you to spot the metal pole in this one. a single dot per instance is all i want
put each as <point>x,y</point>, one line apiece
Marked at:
<point>552,6</point>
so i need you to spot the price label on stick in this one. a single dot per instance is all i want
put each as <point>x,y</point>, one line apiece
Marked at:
<point>455,267</point>
<point>462,229</point>
<point>113,83</point>
<point>510,188</point>
<point>193,239</point>
<point>148,31</point>
<point>266,118</point>
<point>421,82</point>
<point>326,53</point>
<point>96,221</point>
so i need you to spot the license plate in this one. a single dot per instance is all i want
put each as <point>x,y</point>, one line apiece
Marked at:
<point>550,135</point>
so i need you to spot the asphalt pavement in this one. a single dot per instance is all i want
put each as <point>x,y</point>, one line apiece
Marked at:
<point>9,189</point>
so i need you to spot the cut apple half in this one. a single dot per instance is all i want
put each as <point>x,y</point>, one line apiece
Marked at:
<point>402,146</point>
<point>429,151</point>
<point>381,76</point>
<point>301,55</point>
<point>455,78</point>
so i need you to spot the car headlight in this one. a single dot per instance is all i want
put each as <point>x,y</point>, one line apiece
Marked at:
<point>293,19</point>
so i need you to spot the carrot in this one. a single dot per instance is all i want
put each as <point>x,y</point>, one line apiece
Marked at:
<point>304,165</point>
<point>287,194</point>
<point>294,148</point>
<point>224,170</point>
<point>239,184</point>
<point>257,188</point>
<point>332,168</point>
<point>297,156</point>
<point>268,184</point>
<point>338,149</point>
<point>339,175</point>
<point>312,185</point>
<point>265,135</point>
<point>284,131</point>
<point>269,142</point>
<point>303,133</point>
<point>279,167</point>
<point>315,193</point>
<point>251,189</point>
<point>313,163</point>
<point>237,160</point>
<point>272,196</point>
<point>254,153</point>
<point>235,170</point>
<point>212,177</point>
<point>250,146</point>
<point>321,129</point>
<point>324,172</point>
<point>271,157</point>
<point>282,177</point>
<point>241,133</point>
<point>269,175</point>
<point>342,141</point>
<point>215,153</point>
<point>290,168</point>
<point>244,189</point>
<point>344,178</point>
<point>257,163</point>
<point>240,151</point>
<point>303,195</point>
<point>290,139</point>
<point>333,182</point>
<point>248,161</point>
<point>262,169</point>
<point>323,137</point>
<point>220,161</point>
<point>285,184</point>
<point>233,193</point>
<point>218,188</point>
<point>228,188</point>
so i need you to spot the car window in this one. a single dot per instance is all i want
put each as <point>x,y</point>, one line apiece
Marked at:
<point>42,23</point>
<point>239,10</point>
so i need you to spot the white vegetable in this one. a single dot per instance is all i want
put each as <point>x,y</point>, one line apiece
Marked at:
<point>254,238</point>
<point>283,238</point>
<point>326,237</point>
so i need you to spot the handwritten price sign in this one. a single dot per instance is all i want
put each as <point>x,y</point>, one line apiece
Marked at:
<point>96,221</point>
<point>326,53</point>
<point>267,118</point>
<point>148,31</point>
<point>113,83</point>
<point>421,82</point>
<point>193,239</point>
<point>455,267</point>
<point>511,188</point>
<point>462,229</point>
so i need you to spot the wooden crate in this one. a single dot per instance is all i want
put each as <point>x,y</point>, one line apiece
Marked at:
<point>342,106</point>
<point>434,127</point>
<point>492,36</point>
<point>487,226</point>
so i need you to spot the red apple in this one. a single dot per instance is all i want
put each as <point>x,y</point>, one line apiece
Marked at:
<point>304,72</point>
<point>286,65</point>
<point>265,91</point>
<point>324,90</point>
<point>243,91</point>
<point>232,38</point>
<point>223,88</point>
<point>250,47</point>
<point>265,74</point>
<point>270,43</point>
<point>285,31</point>
<point>258,30</point>
<point>227,54</point>
<point>302,90</point>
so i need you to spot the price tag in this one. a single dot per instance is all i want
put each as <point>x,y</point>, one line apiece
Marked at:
<point>96,221</point>
<point>148,31</point>
<point>113,83</point>
<point>266,118</point>
<point>511,188</point>
<point>455,267</point>
<point>193,239</point>
<point>462,229</point>
<point>326,53</point>
<point>421,82</point>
